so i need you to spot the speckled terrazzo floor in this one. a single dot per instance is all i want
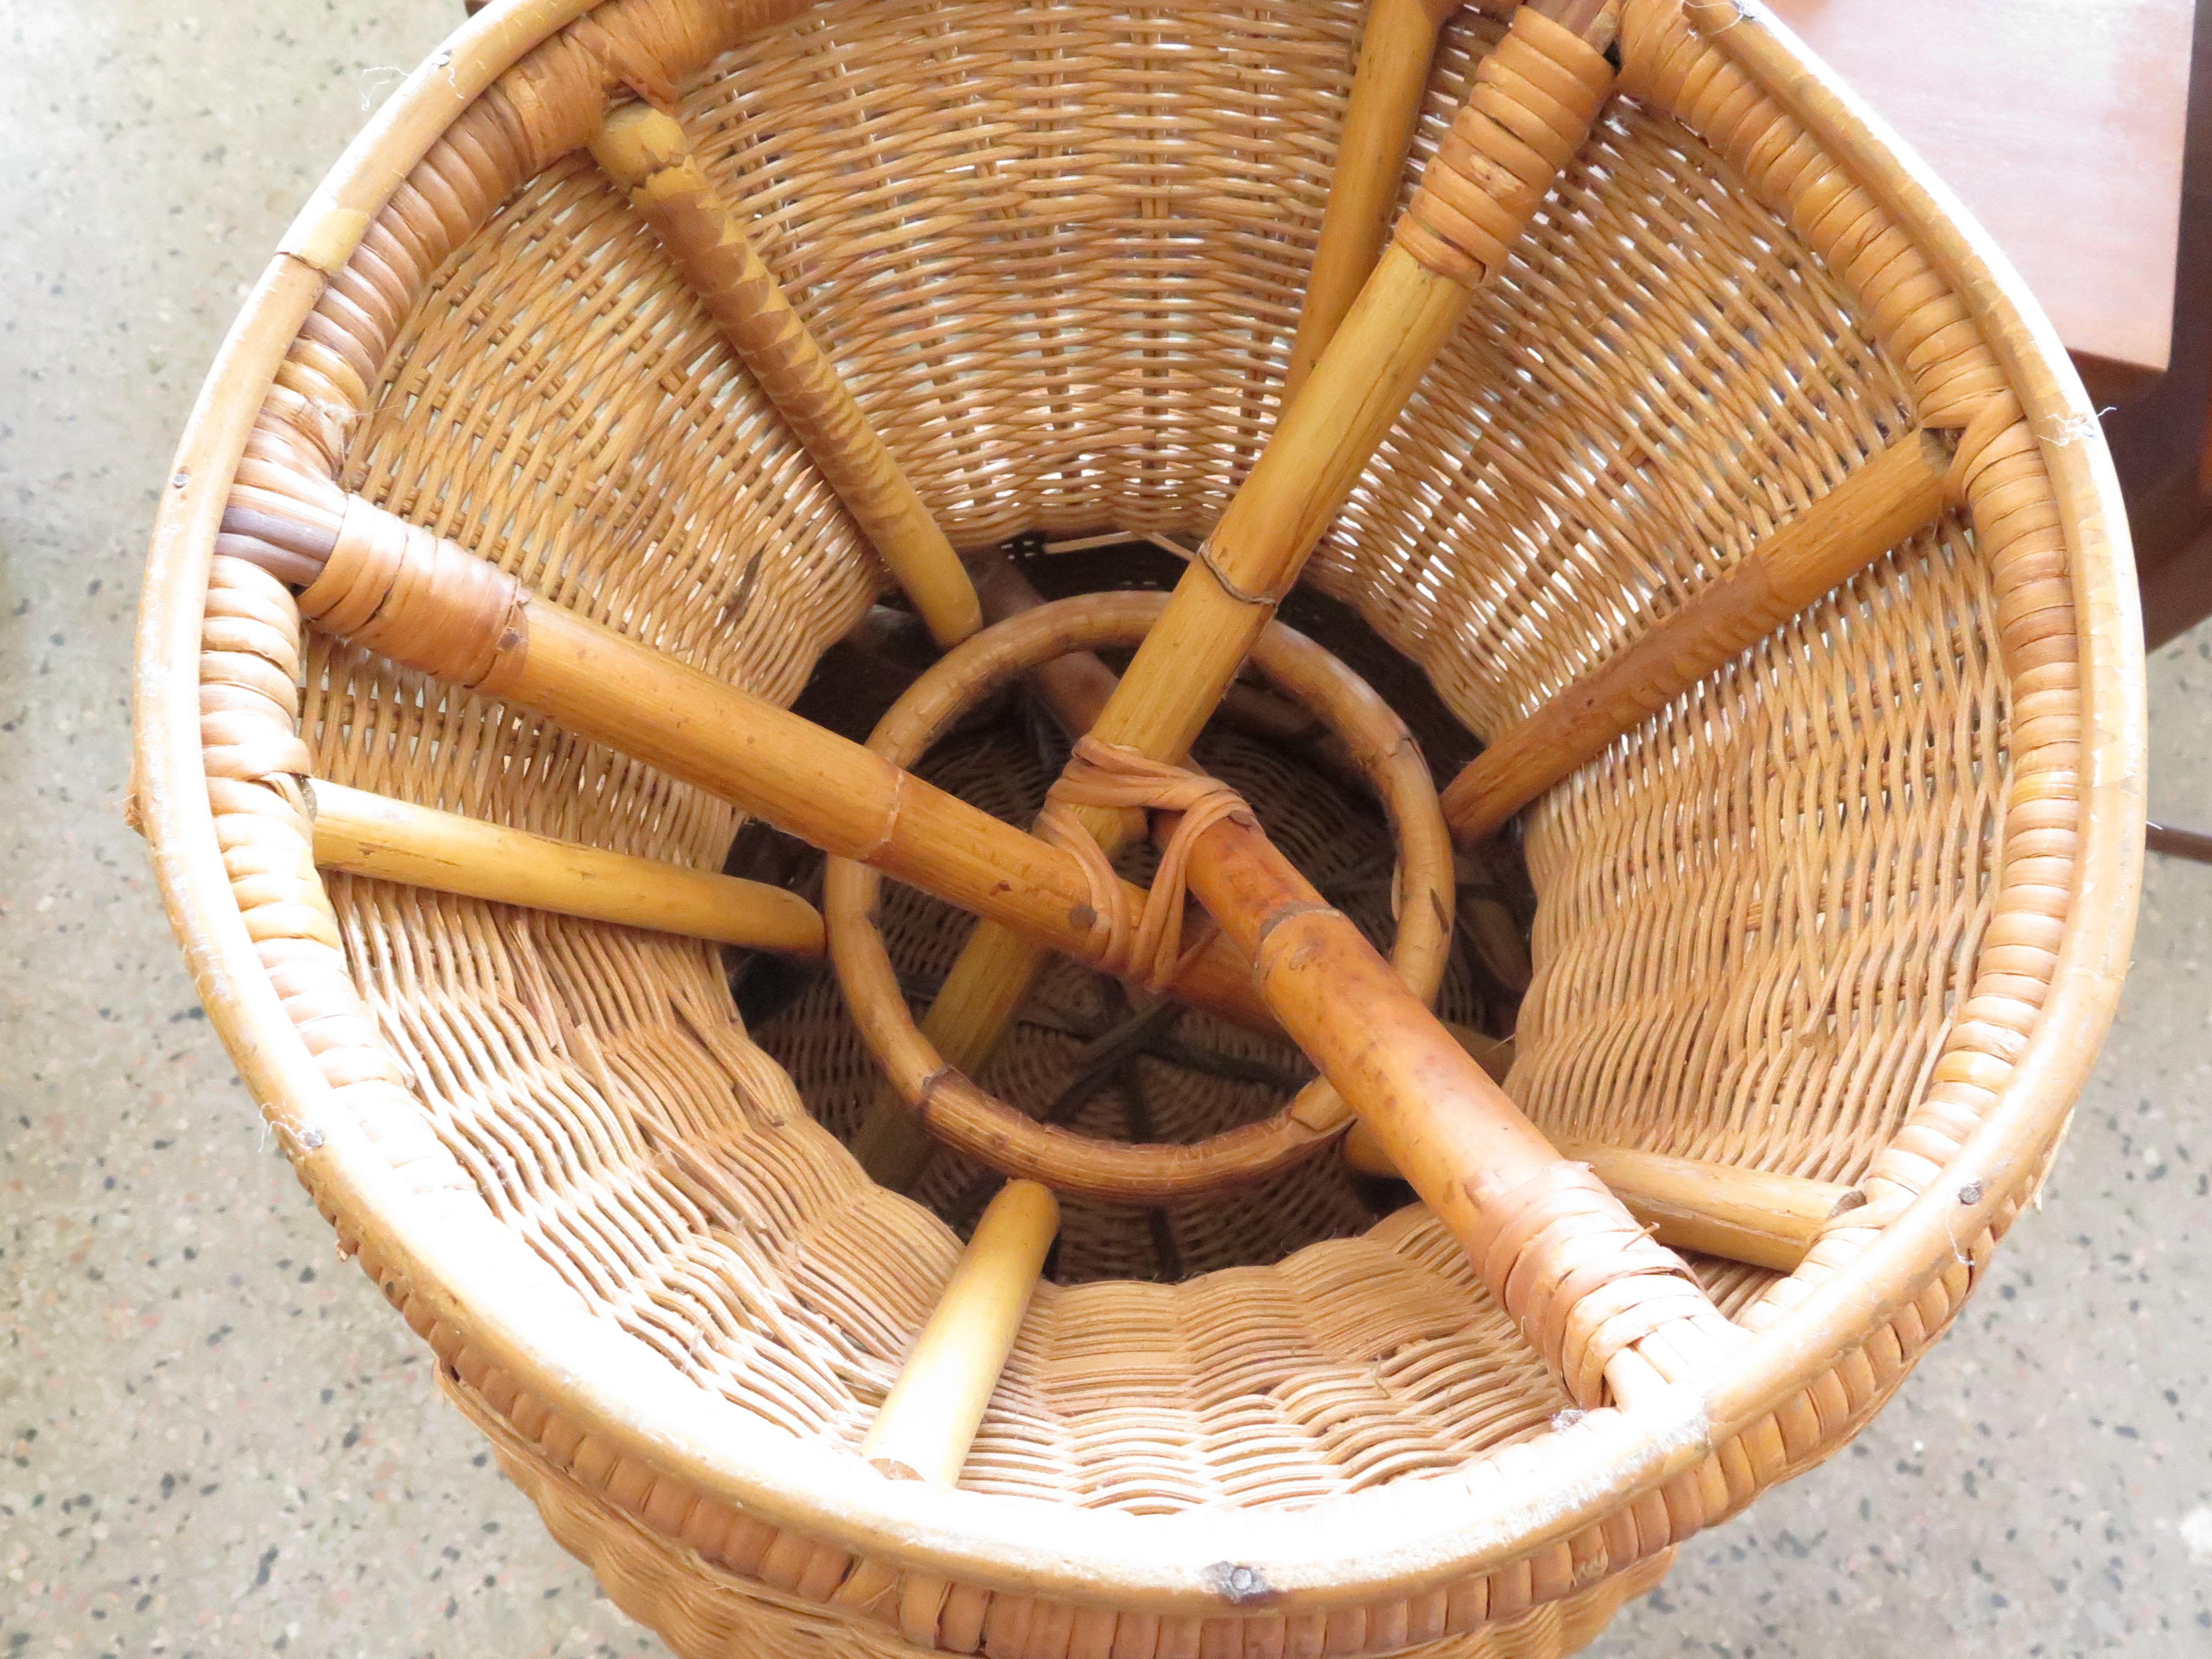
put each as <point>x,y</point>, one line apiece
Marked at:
<point>220,1442</point>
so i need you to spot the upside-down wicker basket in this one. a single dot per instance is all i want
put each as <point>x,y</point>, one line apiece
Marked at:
<point>1854,907</point>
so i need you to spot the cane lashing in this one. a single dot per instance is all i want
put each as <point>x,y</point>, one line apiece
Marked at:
<point>1529,112</point>
<point>1145,947</point>
<point>1582,1278</point>
<point>409,593</point>
<point>957,1110</point>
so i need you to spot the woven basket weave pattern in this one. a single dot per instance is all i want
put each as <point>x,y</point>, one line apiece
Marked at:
<point>1057,254</point>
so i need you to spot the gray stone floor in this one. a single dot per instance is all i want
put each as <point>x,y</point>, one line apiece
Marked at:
<point>221,1441</point>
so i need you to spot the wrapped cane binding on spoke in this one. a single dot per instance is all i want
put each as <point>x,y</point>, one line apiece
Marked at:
<point>1708,678</point>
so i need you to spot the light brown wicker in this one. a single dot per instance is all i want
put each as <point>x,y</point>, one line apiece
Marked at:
<point>1852,907</point>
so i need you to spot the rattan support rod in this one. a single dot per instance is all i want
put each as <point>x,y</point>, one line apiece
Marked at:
<point>929,1420</point>
<point>1542,1234</point>
<point>1486,183</point>
<point>371,834</point>
<point>430,605</point>
<point>1396,47</point>
<point>1894,496</point>
<point>1747,1215</point>
<point>1449,243</point>
<point>830,792</point>
<point>645,152</point>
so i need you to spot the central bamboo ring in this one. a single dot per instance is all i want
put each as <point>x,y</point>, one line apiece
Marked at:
<point>951,1106</point>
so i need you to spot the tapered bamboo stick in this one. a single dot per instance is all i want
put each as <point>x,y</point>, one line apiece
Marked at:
<point>1424,1097</point>
<point>929,1420</point>
<point>432,606</point>
<point>1894,495</point>
<point>1229,593</point>
<point>645,152</point>
<point>370,835</point>
<point>1488,1173</point>
<point>1408,308</point>
<point>1396,47</point>
<point>1471,204</point>
<point>1745,1215</point>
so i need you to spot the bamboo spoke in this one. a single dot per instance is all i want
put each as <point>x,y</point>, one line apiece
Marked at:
<point>1396,46</point>
<point>1486,183</point>
<point>369,835</point>
<point>1409,308</point>
<point>1894,496</point>
<point>430,605</point>
<point>1745,1215</point>
<point>645,152</point>
<point>929,1420</point>
<point>1514,1204</point>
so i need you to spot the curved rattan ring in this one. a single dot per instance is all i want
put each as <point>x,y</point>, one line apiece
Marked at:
<point>986,1127</point>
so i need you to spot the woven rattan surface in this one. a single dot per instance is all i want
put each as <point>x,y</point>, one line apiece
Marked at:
<point>1844,910</point>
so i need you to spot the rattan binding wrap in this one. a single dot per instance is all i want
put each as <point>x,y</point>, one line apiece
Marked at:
<point>1855,908</point>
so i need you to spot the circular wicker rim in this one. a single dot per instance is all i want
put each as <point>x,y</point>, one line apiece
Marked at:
<point>1409,1537</point>
<point>980,1124</point>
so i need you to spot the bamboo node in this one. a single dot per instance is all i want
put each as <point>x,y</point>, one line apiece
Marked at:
<point>620,66</point>
<point>1222,580</point>
<point>1289,913</point>
<point>930,1084</point>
